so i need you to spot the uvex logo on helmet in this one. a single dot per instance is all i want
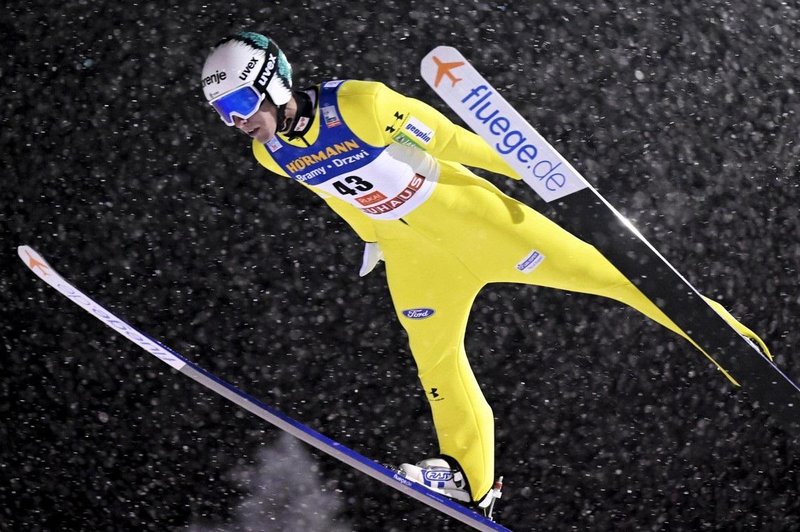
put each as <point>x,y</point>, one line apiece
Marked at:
<point>272,60</point>
<point>248,58</point>
<point>249,68</point>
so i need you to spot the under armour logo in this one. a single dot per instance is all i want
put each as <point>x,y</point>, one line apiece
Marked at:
<point>434,393</point>
<point>398,117</point>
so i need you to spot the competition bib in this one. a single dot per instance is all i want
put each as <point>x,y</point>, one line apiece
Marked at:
<point>384,182</point>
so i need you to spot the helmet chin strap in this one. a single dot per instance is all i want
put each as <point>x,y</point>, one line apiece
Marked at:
<point>304,110</point>
<point>283,123</point>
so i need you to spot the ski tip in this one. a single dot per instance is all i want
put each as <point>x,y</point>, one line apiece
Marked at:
<point>33,260</point>
<point>442,54</point>
<point>25,252</point>
<point>442,64</point>
<point>441,49</point>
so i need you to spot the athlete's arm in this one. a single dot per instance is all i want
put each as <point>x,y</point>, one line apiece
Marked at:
<point>449,141</point>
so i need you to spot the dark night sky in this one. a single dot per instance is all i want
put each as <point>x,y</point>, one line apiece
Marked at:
<point>684,115</point>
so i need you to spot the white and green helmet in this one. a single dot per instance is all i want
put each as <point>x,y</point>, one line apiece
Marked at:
<point>241,71</point>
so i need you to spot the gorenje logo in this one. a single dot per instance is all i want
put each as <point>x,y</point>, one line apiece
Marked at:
<point>216,77</point>
<point>489,115</point>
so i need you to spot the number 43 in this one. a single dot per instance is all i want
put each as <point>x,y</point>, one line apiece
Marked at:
<point>359,185</point>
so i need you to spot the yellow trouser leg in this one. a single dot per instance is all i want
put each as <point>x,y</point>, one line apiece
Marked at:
<point>479,217</point>
<point>422,275</point>
<point>740,328</point>
<point>466,235</point>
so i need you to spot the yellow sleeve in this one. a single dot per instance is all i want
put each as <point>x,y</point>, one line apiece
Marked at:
<point>357,220</point>
<point>393,113</point>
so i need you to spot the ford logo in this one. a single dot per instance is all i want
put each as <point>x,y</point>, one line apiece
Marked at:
<point>418,313</point>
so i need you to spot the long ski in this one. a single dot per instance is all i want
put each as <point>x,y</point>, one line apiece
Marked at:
<point>593,219</point>
<point>44,271</point>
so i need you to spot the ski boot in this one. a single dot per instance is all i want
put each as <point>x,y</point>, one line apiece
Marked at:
<point>437,474</point>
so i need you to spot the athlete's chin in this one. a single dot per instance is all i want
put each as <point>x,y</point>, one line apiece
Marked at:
<point>261,135</point>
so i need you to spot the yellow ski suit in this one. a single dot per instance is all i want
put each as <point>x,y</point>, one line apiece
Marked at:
<point>463,234</point>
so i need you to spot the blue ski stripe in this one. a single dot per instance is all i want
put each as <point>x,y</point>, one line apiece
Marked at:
<point>44,271</point>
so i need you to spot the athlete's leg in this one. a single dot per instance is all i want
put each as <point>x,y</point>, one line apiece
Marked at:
<point>494,234</point>
<point>497,237</point>
<point>432,293</point>
<point>569,263</point>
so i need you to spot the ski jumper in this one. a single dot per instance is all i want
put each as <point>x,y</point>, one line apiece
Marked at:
<point>392,167</point>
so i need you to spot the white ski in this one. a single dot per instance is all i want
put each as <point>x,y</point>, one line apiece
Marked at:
<point>593,219</point>
<point>39,266</point>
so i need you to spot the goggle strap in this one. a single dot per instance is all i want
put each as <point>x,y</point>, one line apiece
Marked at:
<point>268,69</point>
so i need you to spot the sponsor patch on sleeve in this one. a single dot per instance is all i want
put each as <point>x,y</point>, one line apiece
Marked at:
<point>414,133</point>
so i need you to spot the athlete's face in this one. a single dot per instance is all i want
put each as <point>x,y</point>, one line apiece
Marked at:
<point>262,125</point>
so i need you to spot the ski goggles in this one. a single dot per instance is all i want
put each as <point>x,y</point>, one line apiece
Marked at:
<point>242,102</point>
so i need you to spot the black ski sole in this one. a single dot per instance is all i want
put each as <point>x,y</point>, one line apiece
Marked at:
<point>588,217</point>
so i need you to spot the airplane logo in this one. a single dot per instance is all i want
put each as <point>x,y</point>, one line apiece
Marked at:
<point>33,263</point>
<point>444,69</point>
